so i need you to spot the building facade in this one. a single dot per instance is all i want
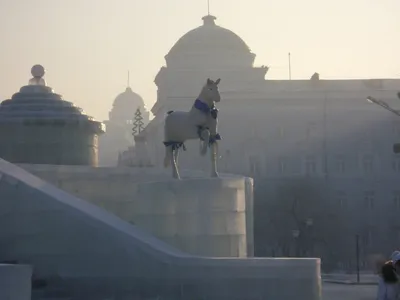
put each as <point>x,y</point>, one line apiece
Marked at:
<point>280,131</point>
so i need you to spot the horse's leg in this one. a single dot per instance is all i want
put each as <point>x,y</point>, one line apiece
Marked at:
<point>214,155</point>
<point>168,155</point>
<point>205,136</point>
<point>176,156</point>
<point>175,173</point>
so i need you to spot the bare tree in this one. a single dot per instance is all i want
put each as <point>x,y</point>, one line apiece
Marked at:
<point>300,216</point>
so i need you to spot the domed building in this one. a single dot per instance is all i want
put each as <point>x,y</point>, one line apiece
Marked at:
<point>37,126</point>
<point>119,126</point>
<point>206,51</point>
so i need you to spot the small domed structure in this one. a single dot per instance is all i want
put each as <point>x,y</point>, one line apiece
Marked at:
<point>125,105</point>
<point>37,126</point>
<point>210,45</point>
<point>120,123</point>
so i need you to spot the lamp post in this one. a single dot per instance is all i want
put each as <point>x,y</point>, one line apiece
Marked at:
<point>309,224</point>
<point>396,147</point>
<point>296,234</point>
<point>358,257</point>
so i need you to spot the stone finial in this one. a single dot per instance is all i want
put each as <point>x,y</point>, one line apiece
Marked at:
<point>37,72</point>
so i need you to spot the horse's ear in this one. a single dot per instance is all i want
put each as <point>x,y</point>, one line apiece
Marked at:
<point>218,80</point>
<point>209,81</point>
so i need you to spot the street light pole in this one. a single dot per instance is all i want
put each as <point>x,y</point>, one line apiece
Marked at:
<point>396,147</point>
<point>358,257</point>
<point>296,234</point>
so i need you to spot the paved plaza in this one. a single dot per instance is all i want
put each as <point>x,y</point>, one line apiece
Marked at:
<point>331,291</point>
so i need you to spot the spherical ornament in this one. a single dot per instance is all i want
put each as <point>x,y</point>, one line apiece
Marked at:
<point>37,71</point>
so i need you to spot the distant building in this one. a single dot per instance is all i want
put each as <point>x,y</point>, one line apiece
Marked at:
<point>119,126</point>
<point>277,130</point>
<point>136,156</point>
<point>37,126</point>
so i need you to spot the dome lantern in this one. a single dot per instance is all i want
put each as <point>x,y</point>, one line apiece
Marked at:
<point>209,20</point>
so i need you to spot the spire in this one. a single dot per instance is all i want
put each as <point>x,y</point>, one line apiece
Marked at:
<point>128,82</point>
<point>209,19</point>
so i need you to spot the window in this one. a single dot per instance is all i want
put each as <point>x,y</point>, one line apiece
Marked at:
<point>366,136</point>
<point>341,199</point>
<point>367,164</point>
<point>396,199</point>
<point>396,164</point>
<point>253,132</point>
<point>340,164</point>
<point>254,165</point>
<point>129,122</point>
<point>367,238</point>
<point>282,165</point>
<point>311,165</point>
<point>226,159</point>
<point>369,200</point>
<point>311,129</point>
<point>396,128</point>
<point>280,132</point>
<point>395,233</point>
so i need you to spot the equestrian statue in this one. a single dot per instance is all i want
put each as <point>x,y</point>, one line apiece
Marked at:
<point>201,122</point>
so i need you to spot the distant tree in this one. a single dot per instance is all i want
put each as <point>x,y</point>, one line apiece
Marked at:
<point>138,124</point>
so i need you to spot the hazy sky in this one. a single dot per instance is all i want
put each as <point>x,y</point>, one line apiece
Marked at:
<point>87,46</point>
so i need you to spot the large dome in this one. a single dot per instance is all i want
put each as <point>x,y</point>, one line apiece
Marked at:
<point>210,45</point>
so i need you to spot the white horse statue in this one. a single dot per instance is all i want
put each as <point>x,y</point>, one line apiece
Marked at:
<point>198,123</point>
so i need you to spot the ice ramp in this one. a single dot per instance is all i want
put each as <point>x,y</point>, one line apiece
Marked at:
<point>91,254</point>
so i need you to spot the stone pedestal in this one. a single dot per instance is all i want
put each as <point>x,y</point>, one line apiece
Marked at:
<point>199,215</point>
<point>204,216</point>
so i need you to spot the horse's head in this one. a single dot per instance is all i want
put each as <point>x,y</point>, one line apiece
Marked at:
<point>210,92</point>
